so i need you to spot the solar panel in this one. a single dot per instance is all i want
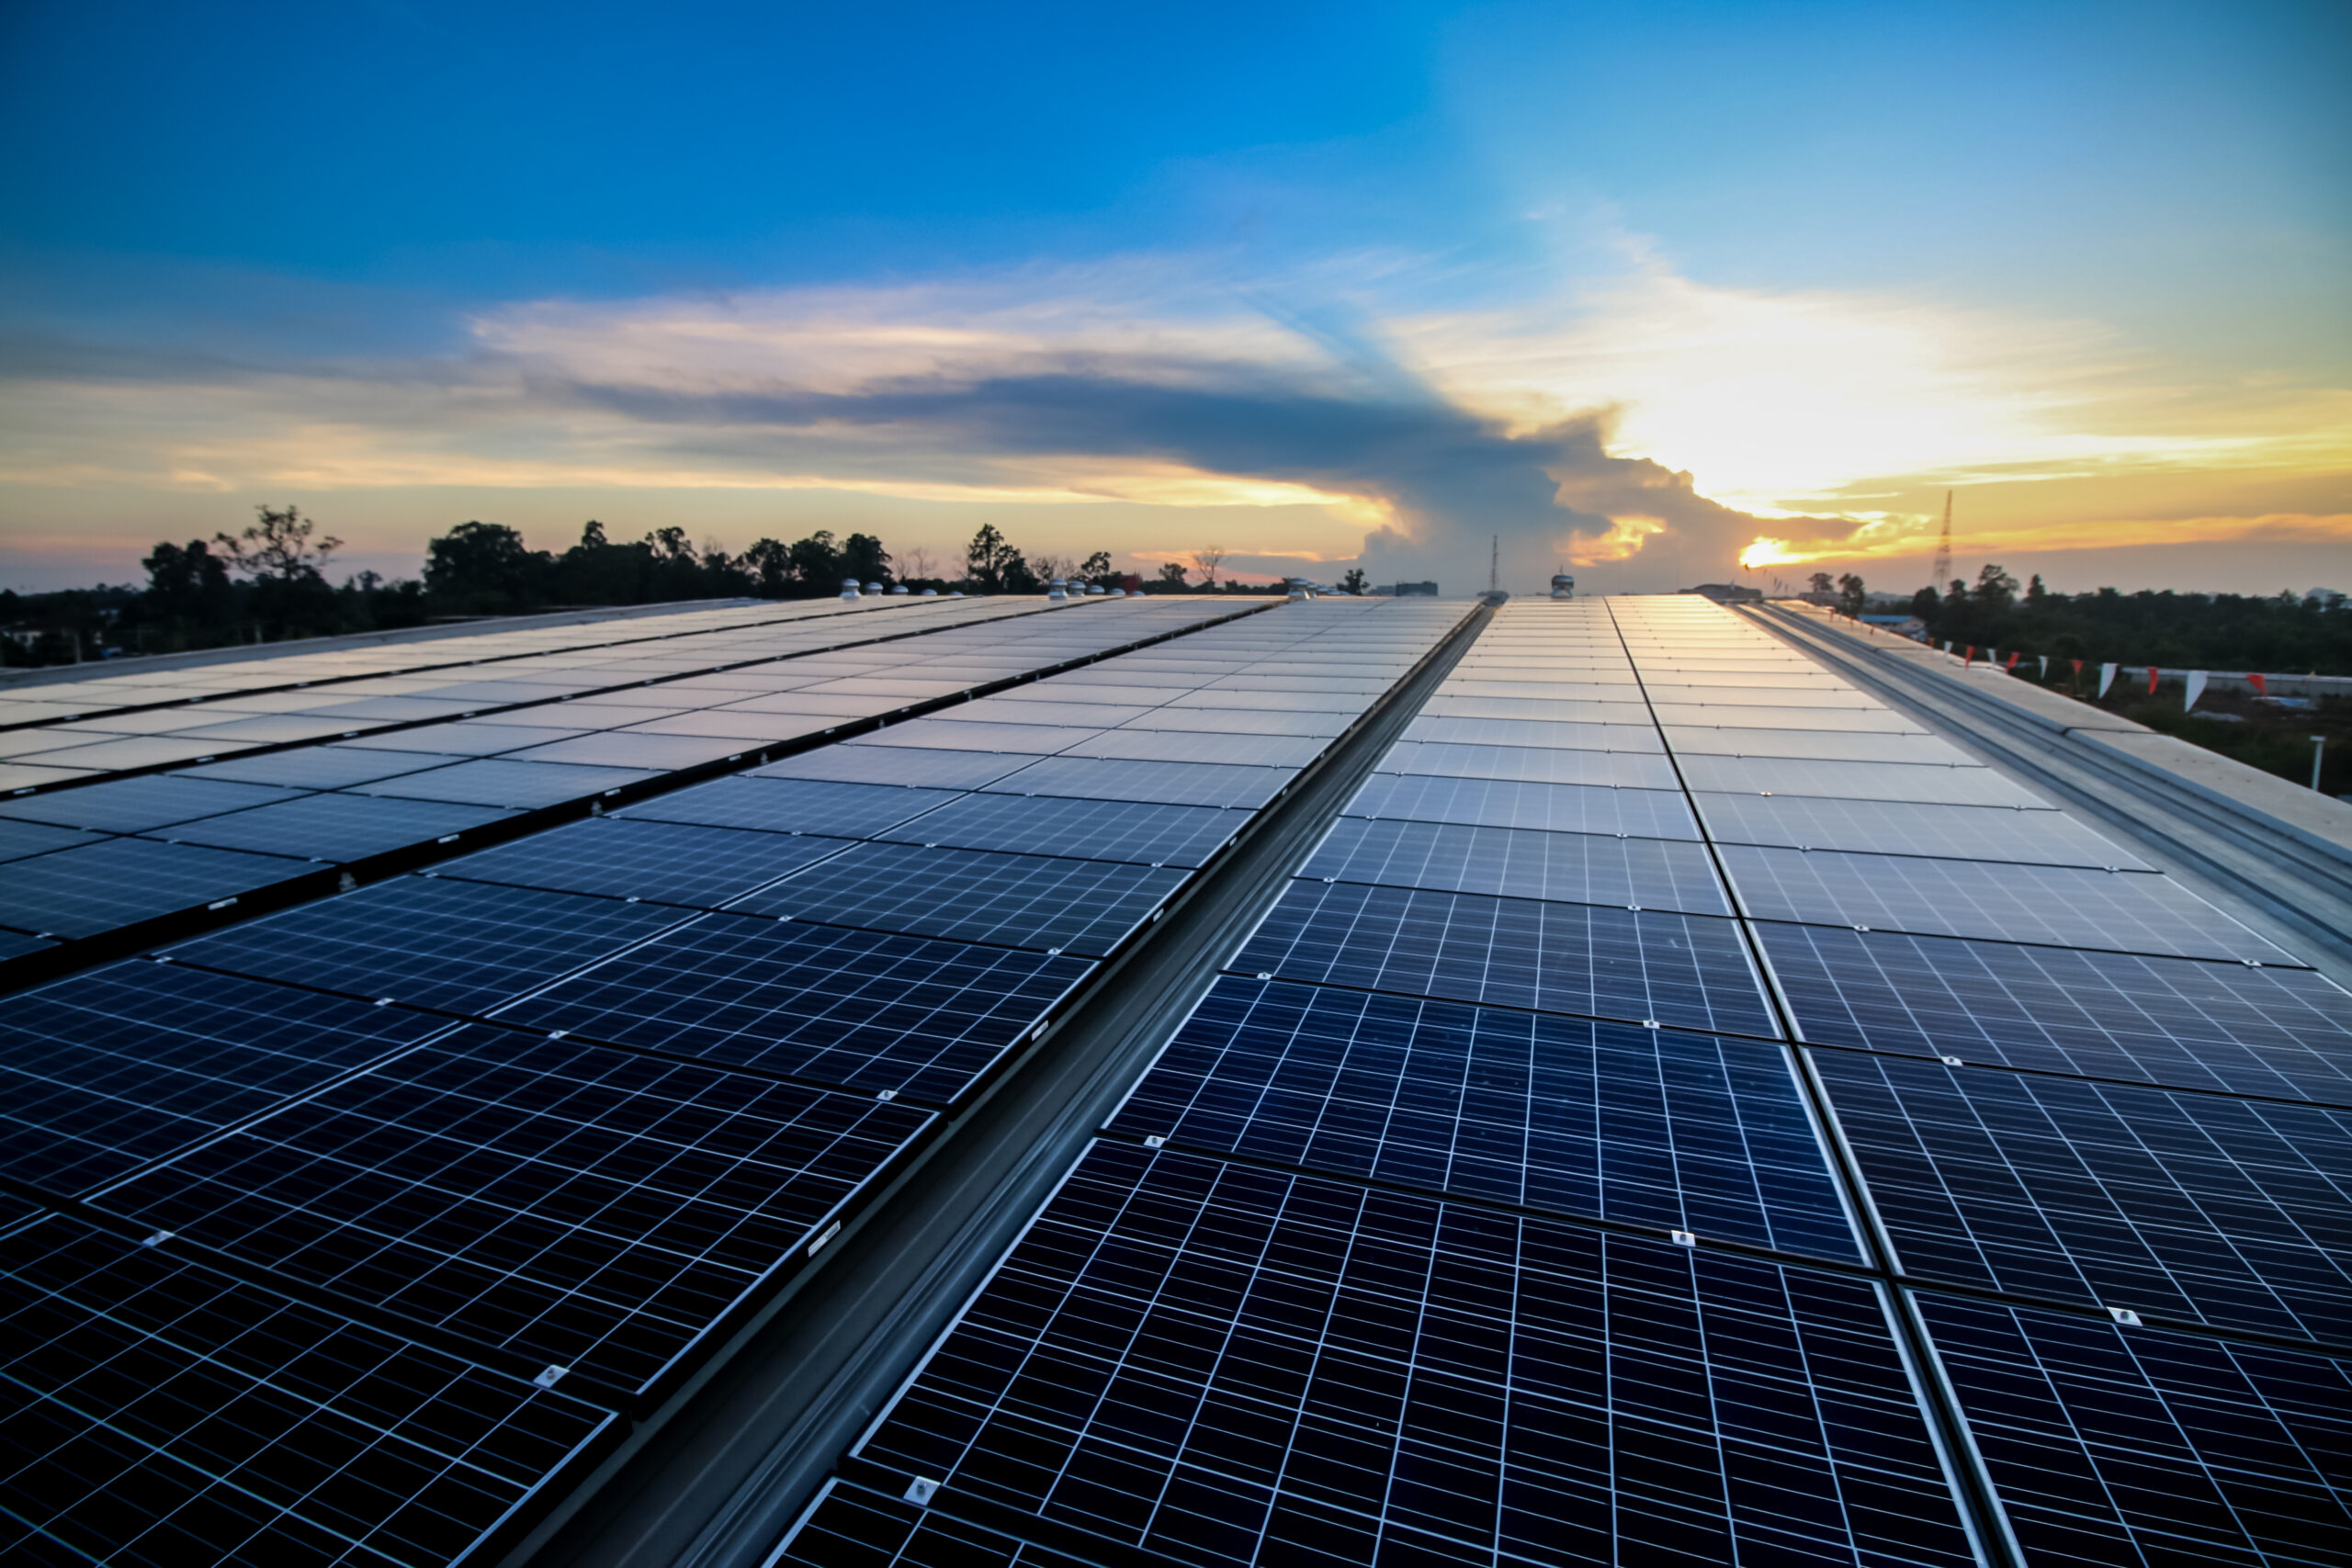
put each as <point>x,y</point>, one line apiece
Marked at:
<point>106,1071</point>
<point>336,827</point>
<point>496,782</point>
<point>1584,868</point>
<point>1136,830</point>
<point>19,840</point>
<point>2191,1206</point>
<point>1198,746</point>
<point>1588,736</point>
<point>1684,971</point>
<point>1884,721</point>
<point>1856,781</point>
<point>897,766</point>
<point>1830,746</point>
<point>1910,828</point>
<point>1082,906</point>
<point>160,1411</point>
<point>1242,721</point>
<point>663,863</point>
<point>1642,1126</point>
<point>481,738</point>
<point>18,944</point>
<point>1174,783</point>
<point>318,767</point>
<point>2130,911</point>
<point>1214,1362</point>
<point>865,1010</point>
<point>571,1204</point>
<point>1506,803</point>
<point>2189,1023</point>
<point>116,882</point>
<point>848,1524</point>
<point>136,806</point>
<point>837,810</point>
<point>954,735</point>
<point>1532,765</point>
<point>641,749</point>
<point>2105,1441</point>
<point>459,946</point>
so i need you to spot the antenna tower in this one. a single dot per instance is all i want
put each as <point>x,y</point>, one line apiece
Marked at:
<point>1495,567</point>
<point>1941,578</point>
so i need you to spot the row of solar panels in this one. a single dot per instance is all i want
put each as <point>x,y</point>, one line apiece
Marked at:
<point>370,1221</point>
<point>76,731</point>
<point>85,863</point>
<point>1440,1232</point>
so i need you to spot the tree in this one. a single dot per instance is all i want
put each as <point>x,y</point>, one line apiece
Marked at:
<point>1172,575</point>
<point>817,562</point>
<point>989,560</point>
<point>278,547</point>
<point>864,558</point>
<point>917,564</point>
<point>484,568</point>
<point>1851,595</point>
<point>1206,560</point>
<point>1821,583</point>
<point>770,563</point>
<point>1353,580</point>
<point>1924,603</point>
<point>1996,587</point>
<point>1096,567</point>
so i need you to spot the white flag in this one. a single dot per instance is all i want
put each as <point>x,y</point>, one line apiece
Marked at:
<point>2045,667</point>
<point>2106,678</point>
<point>2196,689</point>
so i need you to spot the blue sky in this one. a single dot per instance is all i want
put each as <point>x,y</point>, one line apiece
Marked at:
<point>1636,285</point>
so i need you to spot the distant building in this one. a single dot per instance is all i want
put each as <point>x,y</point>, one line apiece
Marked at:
<point>1726,594</point>
<point>1410,590</point>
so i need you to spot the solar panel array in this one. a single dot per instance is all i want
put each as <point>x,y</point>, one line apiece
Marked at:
<point>561,732</point>
<point>78,730</point>
<point>1768,1134</point>
<point>364,1227</point>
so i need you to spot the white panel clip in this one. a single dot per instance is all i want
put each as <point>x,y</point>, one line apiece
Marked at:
<point>2125,1316</point>
<point>830,1231</point>
<point>1154,1142</point>
<point>919,1490</point>
<point>886,1094</point>
<point>1951,1061</point>
<point>1684,1238</point>
<point>158,1239</point>
<point>548,1377</point>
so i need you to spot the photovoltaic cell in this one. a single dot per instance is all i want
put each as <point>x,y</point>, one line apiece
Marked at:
<point>2112,1444</point>
<point>461,946</point>
<point>117,882</point>
<point>160,1412</point>
<point>1199,746</point>
<point>2193,1206</point>
<point>1240,721</point>
<point>2170,1020</point>
<point>840,810</point>
<point>865,1010</point>
<point>1223,1364</point>
<point>1504,803</point>
<point>1142,831</point>
<point>667,862</point>
<point>593,1208</point>
<point>336,827</point>
<point>1584,868</point>
<point>1586,735</point>
<point>2128,911</point>
<point>104,1072</point>
<point>1911,828</point>
<point>1083,906</point>
<point>17,945</point>
<point>1684,971</point>
<point>1644,1126</point>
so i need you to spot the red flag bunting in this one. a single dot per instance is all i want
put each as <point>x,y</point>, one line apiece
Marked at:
<point>2078,666</point>
<point>2260,684</point>
<point>2152,679</point>
<point>2013,662</point>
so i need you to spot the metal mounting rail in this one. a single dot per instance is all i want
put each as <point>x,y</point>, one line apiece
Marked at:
<point>2293,885</point>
